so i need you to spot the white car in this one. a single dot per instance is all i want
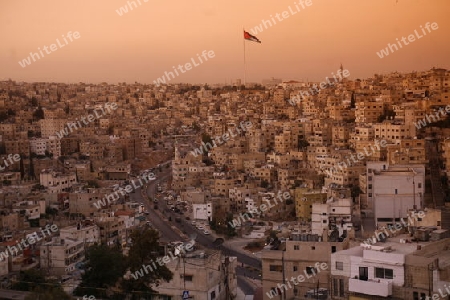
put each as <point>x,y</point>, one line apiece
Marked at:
<point>200,227</point>
<point>193,222</point>
<point>206,232</point>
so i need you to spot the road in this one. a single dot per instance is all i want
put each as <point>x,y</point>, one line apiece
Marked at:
<point>172,231</point>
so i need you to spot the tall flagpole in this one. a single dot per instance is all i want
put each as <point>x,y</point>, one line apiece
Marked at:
<point>245,66</point>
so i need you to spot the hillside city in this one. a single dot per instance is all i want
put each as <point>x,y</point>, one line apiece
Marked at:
<point>288,190</point>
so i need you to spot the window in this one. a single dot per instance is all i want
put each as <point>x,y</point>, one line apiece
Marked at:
<point>339,265</point>
<point>295,268</point>
<point>313,247</point>
<point>296,247</point>
<point>363,273</point>
<point>311,271</point>
<point>333,249</point>
<point>275,268</point>
<point>419,185</point>
<point>384,273</point>
<point>213,295</point>
<point>338,287</point>
<point>188,278</point>
<point>415,296</point>
<point>396,191</point>
<point>341,287</point>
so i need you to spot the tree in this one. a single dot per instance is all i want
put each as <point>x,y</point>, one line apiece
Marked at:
<point>34,281</point>
<point>48,293</point>
<point>38,114</point>
<point>34,101</point>
<point>104,268</point>
<point>206,139</point>
<point>302,143</point>
<point>144,250</point>
<point>353,101</point>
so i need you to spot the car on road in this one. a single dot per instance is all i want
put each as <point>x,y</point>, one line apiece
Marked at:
<point>200,227</point>
<point>206,232</point>
<point>193,222</point>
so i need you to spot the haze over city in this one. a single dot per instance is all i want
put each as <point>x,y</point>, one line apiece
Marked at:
<point>143,43</point>
<point>213,150</point>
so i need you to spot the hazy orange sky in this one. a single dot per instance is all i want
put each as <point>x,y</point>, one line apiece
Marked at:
<point>147,41</point>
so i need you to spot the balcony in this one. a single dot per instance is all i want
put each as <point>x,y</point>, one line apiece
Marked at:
<point>370,287</point>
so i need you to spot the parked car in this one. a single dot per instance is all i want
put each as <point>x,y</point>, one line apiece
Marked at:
<point>206,232</point>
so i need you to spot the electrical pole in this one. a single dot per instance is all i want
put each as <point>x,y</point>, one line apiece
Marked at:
<point>284,277</point>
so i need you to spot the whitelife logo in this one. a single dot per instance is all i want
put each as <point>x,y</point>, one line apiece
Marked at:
<point>282,287</point>
<point>11,159</point>
<point>280,17</point>
<point>124,9</point>
<point>199,151</point>
<point>187,66</point>
<point>31,239</point>
<point>109,107</point>
<point>128,189</point>
<point>435,118</point>
<point>341,74</point>
<point>53,47</point>
<point>411,38</point>
<point>261,210</point>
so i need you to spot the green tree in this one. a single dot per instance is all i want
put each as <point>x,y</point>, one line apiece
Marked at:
<point>302,143</point>
<point>104,268</point>
<point>231,231</point>
<point>145,250</point>
<point>34,281</point>
<point>38,114</point>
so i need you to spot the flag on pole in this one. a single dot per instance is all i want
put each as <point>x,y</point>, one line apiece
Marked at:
<point>250,37</point>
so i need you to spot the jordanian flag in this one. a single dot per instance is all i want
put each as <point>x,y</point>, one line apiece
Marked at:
<point>250,37</point>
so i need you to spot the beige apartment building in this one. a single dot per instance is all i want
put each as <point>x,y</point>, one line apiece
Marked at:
<point>61,256</point>
<point>368,111</point>
<point>303,254</point>
<point>304,199</point>
<point>394,131</point>
<point>408,151</point>
<point>49,127</point>
<point>206,274</point>
<point>57,182</point>
<point>393,268</point>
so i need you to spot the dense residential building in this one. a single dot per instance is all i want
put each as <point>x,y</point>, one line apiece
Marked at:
<point>312,174</point>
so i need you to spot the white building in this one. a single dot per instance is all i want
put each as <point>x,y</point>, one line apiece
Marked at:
<point>394,190</point>
<point>207,275</point>
<point>38,146</point>
<point>57,182</point>
<point>202,211</point>
<point>89,234</point>
<point>372,270</point>
<point>335,213</point>
<point>60,256</point>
